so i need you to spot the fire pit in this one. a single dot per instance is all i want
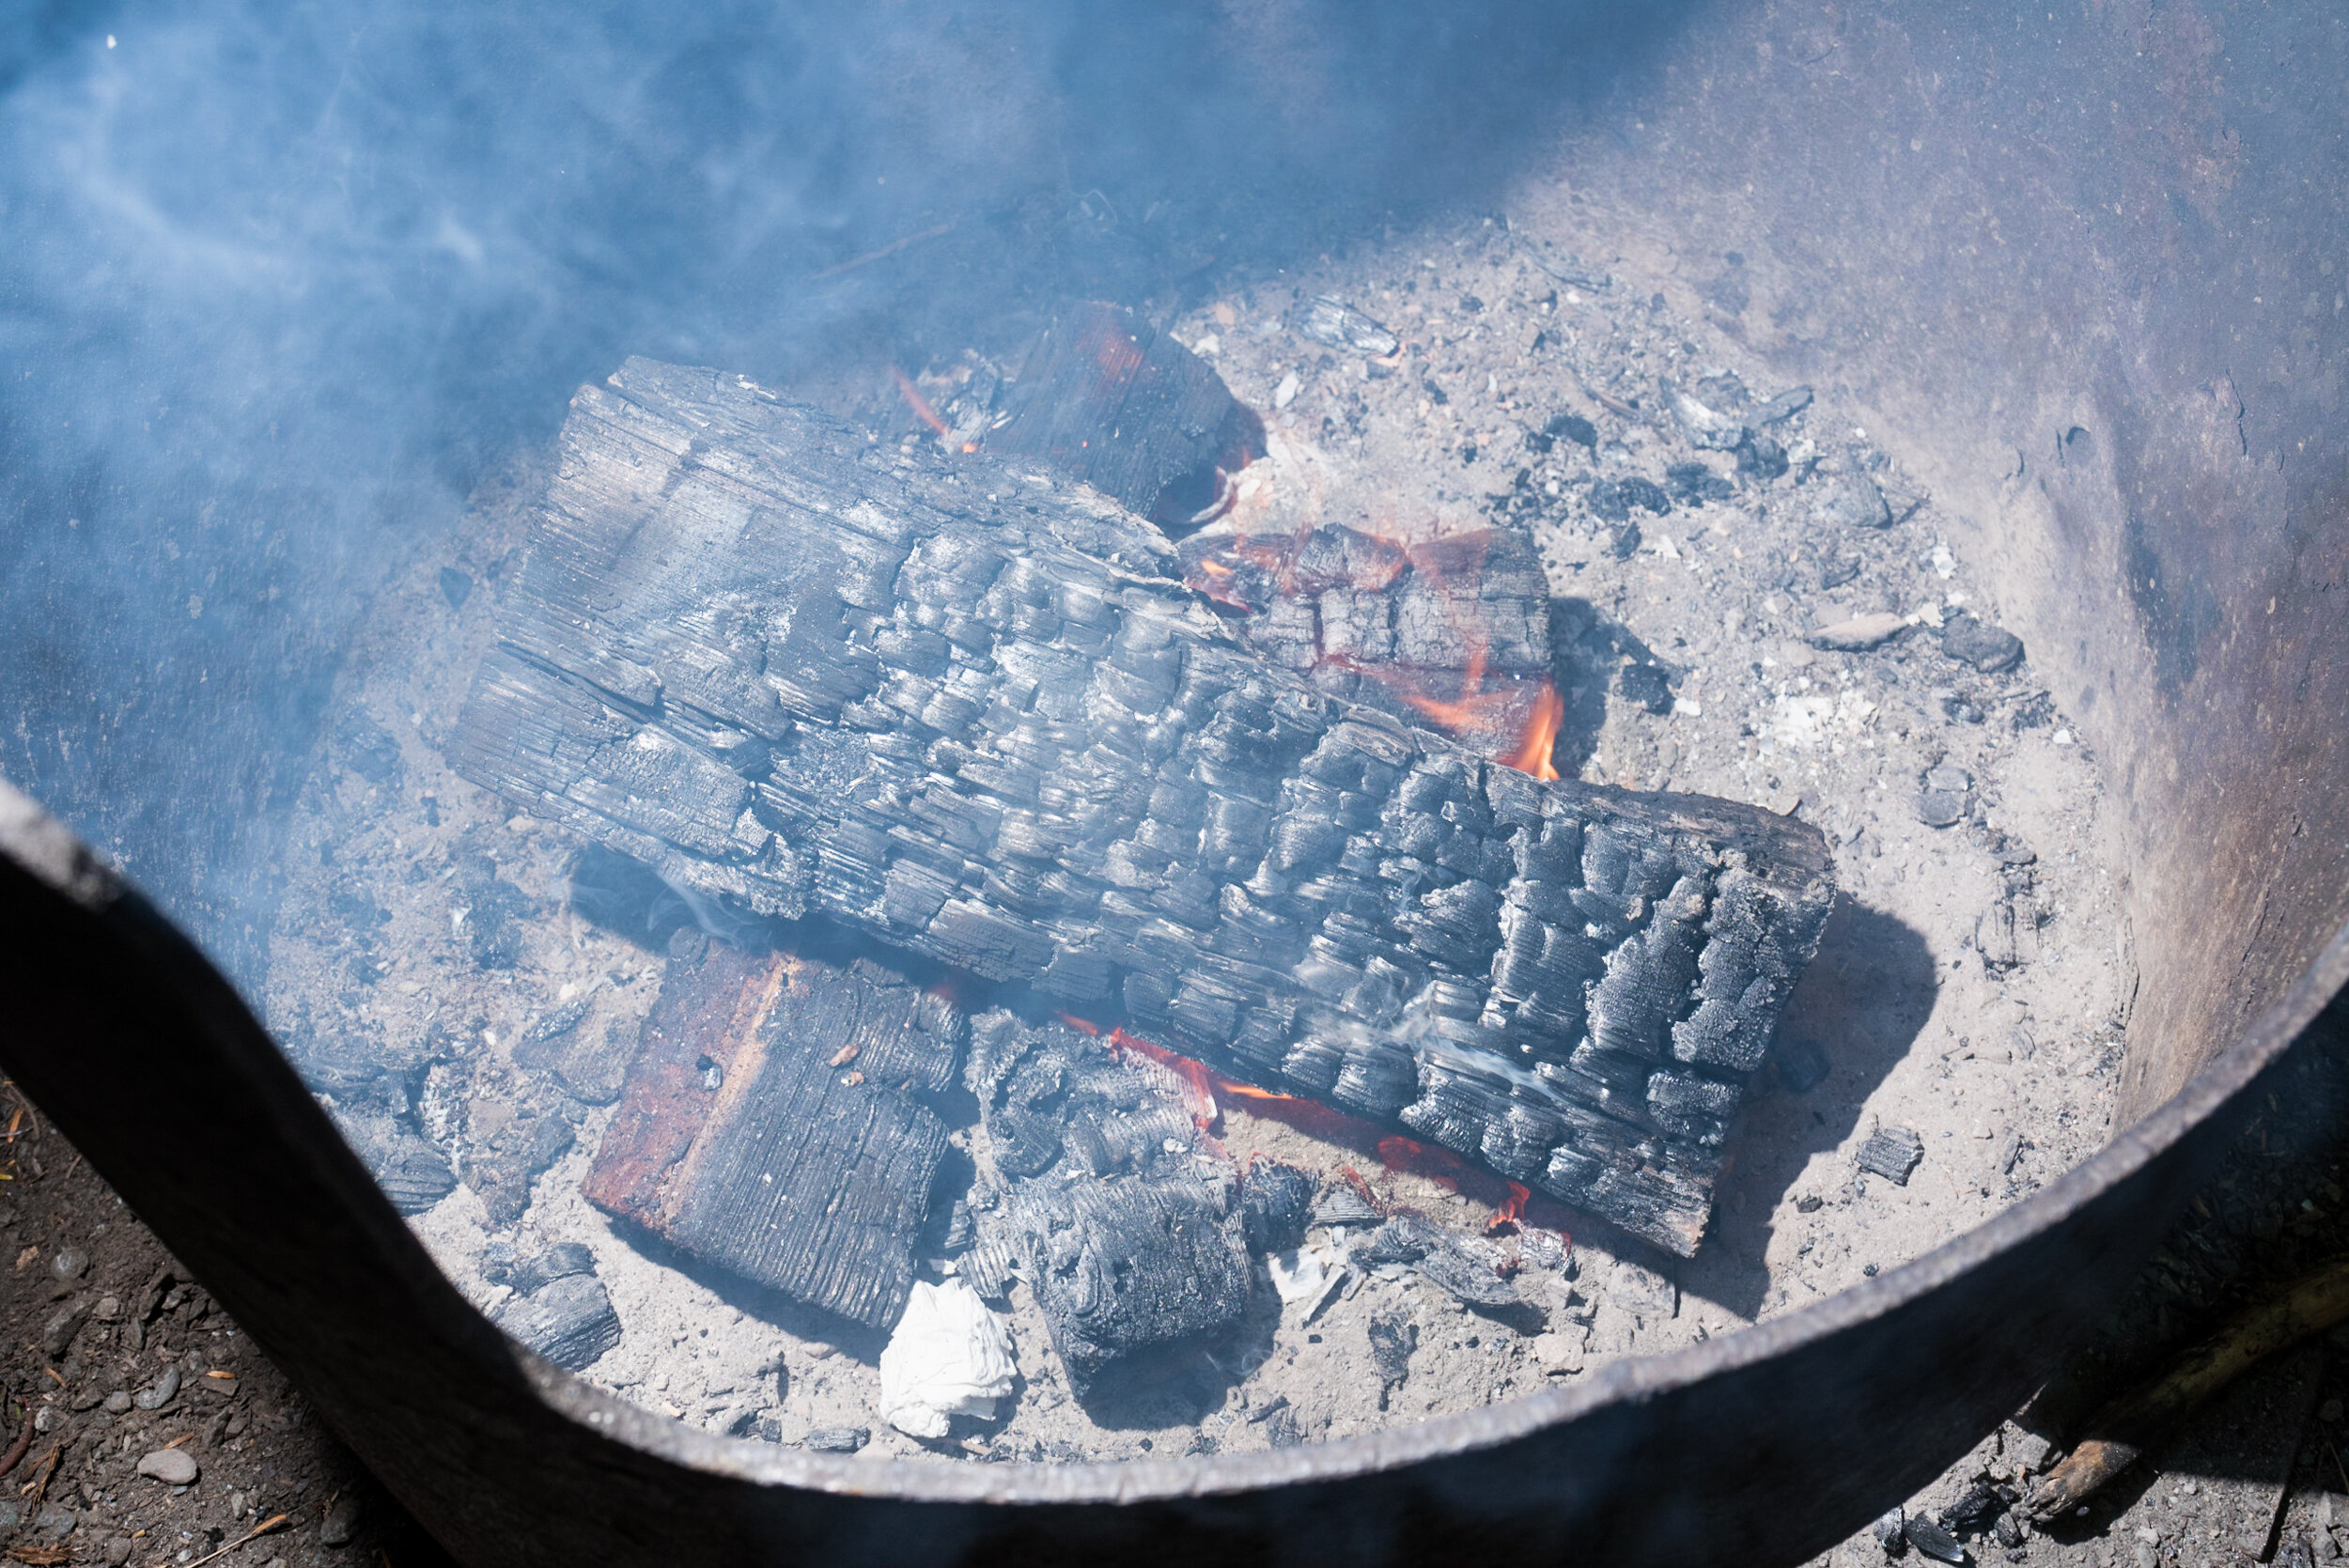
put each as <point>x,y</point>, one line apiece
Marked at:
<point>1336,945</point>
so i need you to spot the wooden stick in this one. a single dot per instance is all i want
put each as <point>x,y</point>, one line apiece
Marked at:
<point>276,1521</point>
<point>2126,1428</point>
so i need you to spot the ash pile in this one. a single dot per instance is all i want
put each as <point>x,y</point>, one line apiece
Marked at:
<point>1010,830</point>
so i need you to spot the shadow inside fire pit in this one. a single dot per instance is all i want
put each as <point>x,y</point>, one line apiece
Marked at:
<point>1856,1010</point>
<point>1595,657</point>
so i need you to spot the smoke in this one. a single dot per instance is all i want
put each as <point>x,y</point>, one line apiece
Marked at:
<point>282,279</point>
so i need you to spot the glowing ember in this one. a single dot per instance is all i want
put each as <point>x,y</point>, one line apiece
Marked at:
<point>1203,1086</point>
<point>1494,699</point>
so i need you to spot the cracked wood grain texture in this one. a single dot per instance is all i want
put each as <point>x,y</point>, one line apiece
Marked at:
<point>969,709</point>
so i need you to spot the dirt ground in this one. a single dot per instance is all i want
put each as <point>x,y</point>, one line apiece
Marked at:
<point>114,1355</point>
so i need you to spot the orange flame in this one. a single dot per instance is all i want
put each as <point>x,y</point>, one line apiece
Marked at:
<point>1541,734</point>
<point>1510,1212</point>
<point>919,404</point>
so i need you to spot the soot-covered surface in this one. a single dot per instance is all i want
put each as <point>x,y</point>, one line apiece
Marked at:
<point>438,984</point>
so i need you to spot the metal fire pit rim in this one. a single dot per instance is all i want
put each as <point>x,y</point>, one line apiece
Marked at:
<point>1626,1382</point>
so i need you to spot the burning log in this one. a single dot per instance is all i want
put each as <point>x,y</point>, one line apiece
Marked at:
<point>1129,1223</point>
<point>973,714</point>
<point>1451,633</point>
<point>769,1123</point>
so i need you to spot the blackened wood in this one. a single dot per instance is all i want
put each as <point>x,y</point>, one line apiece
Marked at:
<point>973,714</point>
<point>1111,400</point>
<point>768,1124</point>
<point>1450,633</point>
<point>1128,1222</point>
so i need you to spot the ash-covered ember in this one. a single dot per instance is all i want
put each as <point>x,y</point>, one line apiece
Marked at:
<point>1130,1224</point>
<point>1450,631</point>
<point>975,718</point>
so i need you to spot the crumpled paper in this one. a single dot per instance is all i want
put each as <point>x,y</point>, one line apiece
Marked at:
<point>949,1355</point>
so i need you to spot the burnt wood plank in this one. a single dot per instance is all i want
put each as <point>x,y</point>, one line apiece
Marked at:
<point>768,1124</point>
<point>971,711</point>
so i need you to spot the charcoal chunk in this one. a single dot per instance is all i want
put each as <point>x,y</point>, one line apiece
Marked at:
<point>1932,1539</point>
<point>1330,320</point>
<point>1276,1204</point>
<point>1802,1066</point>
<point>1342,1206</point>
<point>1890,1532</point>
<point>1693,485</point>
<point>1563,426</point>
<point>1112,401</point>
<point>1449,1263</point>
<point>1848,501</point>
<point>1991,649</point>
<point>412,1172</point>
<point>1132,1234</point>
<point>1611,500</point>
<point>1893,1153</point>
<point>1783,406</point>
<point>558,1262</point>
<point>1761,457</point>
<point>1940,808</point>
<point>1974,1513</point>
<point>836,1439</point>
<point>1393,1338</point>
<point>569,1320</point>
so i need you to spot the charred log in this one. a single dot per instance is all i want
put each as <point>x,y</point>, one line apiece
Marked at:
<point>770,1125</point>
<point>973,714</point>
<point>1129,1223</point>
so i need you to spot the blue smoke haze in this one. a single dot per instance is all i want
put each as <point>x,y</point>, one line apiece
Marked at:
<point>281,279</point>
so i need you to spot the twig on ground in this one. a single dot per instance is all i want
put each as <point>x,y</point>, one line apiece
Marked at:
<point>2126,1428</point>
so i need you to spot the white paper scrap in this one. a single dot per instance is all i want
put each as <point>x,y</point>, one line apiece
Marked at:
<point>949,1355</point>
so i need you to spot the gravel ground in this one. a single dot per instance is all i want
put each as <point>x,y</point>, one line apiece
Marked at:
<point>156,1433</point>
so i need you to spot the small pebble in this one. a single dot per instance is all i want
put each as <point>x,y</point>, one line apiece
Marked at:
<point>69,1262</point>
<point>2329,1410</point>
<point>172,1467</point>
<point>342,1521</point>
<point>160,1393</point>
<point>119,1402</point>
<point>118,1551</point>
